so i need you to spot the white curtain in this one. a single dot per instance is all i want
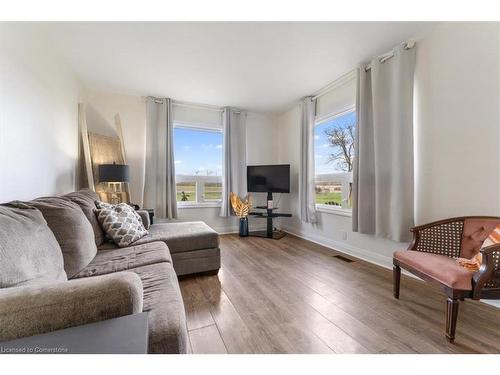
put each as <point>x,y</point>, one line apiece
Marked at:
<point>383,182</point>
<point>307,176</point>
<point>234,159</point>
<point>159,183</point>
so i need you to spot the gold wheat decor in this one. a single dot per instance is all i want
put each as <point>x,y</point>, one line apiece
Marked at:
<point>241,208</point>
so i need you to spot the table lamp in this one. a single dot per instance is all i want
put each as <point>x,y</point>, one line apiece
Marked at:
<point>114,175</point>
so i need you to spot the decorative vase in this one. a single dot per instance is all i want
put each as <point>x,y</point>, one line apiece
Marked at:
<point>243,226</point>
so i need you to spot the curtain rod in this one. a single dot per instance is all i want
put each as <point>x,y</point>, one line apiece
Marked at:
<point>332,85</point>
<point>188,104</point>
<point>157,100</point>
<point>208,107</point>
<point>197,106</point>
<point>389,55</point>
<point>350,75</point>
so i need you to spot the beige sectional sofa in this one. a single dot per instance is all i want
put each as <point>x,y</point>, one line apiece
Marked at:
<point>99,280</point>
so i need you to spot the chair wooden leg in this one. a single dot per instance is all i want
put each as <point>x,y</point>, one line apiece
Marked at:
<point>396,280</point>
<point>451,318</point>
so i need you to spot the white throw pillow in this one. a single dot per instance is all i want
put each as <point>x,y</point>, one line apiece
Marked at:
<point>120,222</point>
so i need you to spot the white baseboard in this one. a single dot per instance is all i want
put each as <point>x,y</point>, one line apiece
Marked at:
<point>227,230</point>
<point>342,247</point>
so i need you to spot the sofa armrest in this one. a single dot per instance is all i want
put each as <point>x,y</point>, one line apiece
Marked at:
<point>33,310</point>
<point>145,218</point>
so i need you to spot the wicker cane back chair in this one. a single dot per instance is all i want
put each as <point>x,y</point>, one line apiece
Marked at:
<point>431,256</point>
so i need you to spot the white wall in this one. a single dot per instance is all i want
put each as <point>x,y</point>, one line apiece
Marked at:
<point>101,109</point>
<point>262,138</point>
<point>457,122</point>
<point>39,116</point>
<point>457,132</point>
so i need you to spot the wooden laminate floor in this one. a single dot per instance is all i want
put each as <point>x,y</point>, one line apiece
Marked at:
<point>293,296</point>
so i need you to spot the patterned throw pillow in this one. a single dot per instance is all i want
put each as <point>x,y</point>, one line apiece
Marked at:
<point>120,222</point>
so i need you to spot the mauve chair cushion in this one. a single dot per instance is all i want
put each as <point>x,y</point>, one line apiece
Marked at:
<point>438,267</point>
<point>71,229</point>
<point>29,252</point>
<point>86,199</point>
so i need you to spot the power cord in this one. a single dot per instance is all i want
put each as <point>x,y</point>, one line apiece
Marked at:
<point>278,200</point>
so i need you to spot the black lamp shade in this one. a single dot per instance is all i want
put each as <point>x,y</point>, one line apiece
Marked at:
<point>114,173</point>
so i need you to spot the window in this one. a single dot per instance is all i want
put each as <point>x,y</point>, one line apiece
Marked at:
<point>198,166</point>
<point>333,160</point>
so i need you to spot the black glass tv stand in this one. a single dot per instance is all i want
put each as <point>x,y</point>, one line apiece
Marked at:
<point>269,214</point>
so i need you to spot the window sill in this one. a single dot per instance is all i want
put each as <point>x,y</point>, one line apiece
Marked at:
<point>333,210</point>
<point>198,205</point>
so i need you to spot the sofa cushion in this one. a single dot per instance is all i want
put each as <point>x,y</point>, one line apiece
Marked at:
<point>121,259</point>
<point>71,229</point>
<point>180,237</point>
<point>163,302</point>
<point>120,222</point>
<point>29,252</point>
<point>86,199</point>
<point>108,244</point>
<point>438,267</point>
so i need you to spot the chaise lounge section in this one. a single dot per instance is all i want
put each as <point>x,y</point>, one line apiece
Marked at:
<point>194,246</point>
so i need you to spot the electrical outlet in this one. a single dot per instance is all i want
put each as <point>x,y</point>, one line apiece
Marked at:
<point>344,235</point>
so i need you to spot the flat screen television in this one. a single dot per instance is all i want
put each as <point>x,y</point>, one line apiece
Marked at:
<point>268,178</point>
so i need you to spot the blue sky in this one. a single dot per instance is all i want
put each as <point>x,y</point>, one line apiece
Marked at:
<point>197,151</point>
<point>322,148</point>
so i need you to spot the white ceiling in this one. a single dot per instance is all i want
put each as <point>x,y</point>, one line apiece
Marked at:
<point>253,65</point>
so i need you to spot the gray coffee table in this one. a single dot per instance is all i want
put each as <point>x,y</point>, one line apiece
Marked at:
<point>124,335</point>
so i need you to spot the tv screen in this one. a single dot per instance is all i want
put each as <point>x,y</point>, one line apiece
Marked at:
<point>268,178</point>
